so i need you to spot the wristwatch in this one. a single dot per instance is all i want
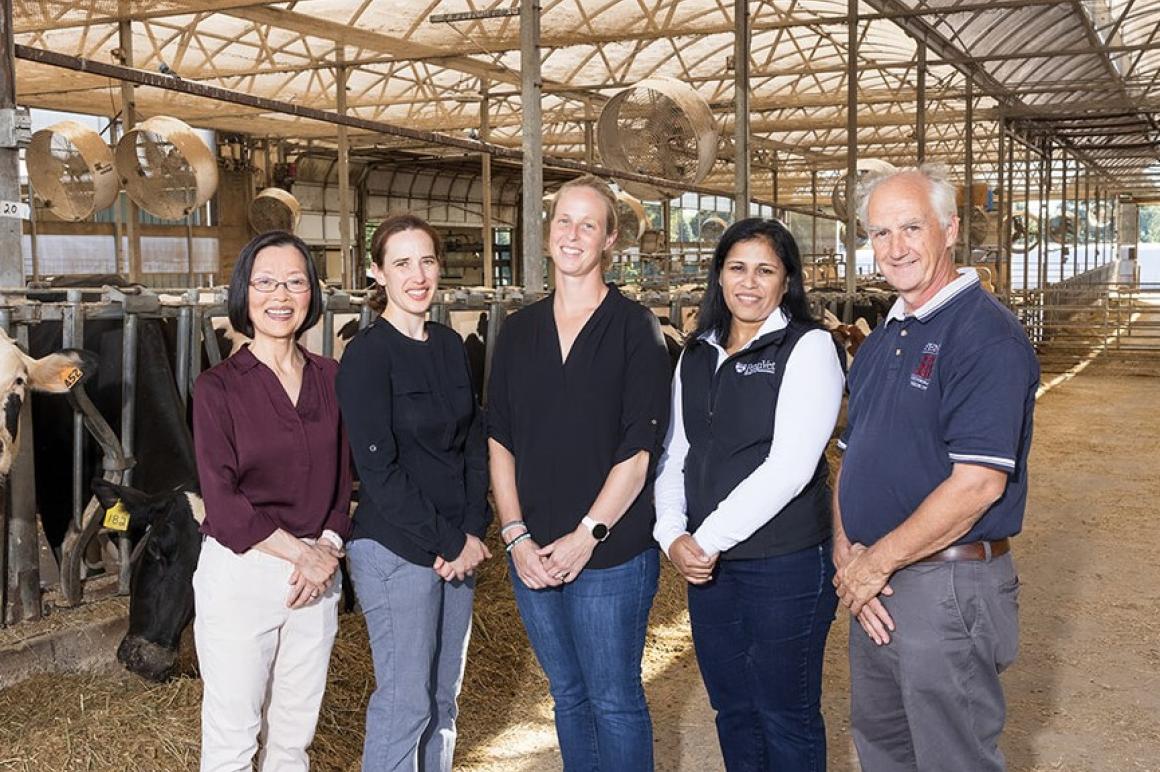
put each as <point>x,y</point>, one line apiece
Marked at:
<point>598,529</point>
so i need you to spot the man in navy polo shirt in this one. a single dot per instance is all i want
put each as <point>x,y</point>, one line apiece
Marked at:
<point>933,484</point>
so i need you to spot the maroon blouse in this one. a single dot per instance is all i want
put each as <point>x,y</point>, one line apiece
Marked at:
<point>265,463</point>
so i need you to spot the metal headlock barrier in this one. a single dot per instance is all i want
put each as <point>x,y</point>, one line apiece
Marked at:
<point>1093,311</point>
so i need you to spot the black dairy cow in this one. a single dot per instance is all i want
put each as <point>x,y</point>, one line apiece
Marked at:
<point>165,529</point>
<point>163,446</point>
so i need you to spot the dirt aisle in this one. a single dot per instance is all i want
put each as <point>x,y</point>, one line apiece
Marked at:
<point>1085,692</point>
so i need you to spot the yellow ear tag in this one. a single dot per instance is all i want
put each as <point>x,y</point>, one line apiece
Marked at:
<point>117,517</point>
<point>71,377</point>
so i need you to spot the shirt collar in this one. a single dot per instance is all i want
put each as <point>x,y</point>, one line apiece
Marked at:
<point>774,322</point>
<point>967,278</point>
<point>244,359</point>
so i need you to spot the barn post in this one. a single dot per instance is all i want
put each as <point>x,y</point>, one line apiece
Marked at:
<point>128,122</point>
<point>485,186</point>
<point>128,427</point>
<point>11,256</point>
<point>814,215</point>
<point>73,336</point>
<point>741,192</point>
<point>531,89</point>
<point>1003,261</point>
<point>349,269</point>
<point>851,158</point>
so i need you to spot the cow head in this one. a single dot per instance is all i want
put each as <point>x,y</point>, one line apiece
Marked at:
<point>55,373</point>
<point>161,588</point>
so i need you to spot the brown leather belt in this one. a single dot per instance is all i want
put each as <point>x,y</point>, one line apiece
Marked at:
<point>979,550</point>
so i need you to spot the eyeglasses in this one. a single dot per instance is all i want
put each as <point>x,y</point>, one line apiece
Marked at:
<point>297,285</point>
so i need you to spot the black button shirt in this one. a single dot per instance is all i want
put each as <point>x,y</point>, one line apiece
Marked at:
<point>418,441</point>
<point>568,423</point>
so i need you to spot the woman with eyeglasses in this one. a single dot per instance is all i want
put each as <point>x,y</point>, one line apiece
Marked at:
<point>417,436</point>
<point>274,468</point>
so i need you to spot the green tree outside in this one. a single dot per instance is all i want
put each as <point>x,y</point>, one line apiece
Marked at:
<point>1150,224</point>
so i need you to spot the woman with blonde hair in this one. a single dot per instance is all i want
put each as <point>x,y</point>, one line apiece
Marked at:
<point>578,402</point>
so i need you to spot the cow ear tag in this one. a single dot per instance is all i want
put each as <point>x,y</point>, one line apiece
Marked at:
<point>117,517</point>
<point>70,378</point>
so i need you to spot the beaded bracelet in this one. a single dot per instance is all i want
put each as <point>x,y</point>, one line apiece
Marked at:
<point>522,537</point>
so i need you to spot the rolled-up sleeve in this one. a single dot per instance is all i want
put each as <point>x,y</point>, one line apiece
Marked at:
<point>364,395</point>
<point>499,426</point>
<point>237,524</point>
<point>644,416</point>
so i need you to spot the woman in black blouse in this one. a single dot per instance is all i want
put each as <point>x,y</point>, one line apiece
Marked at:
<point>578,404</point>
<point>418,442</point>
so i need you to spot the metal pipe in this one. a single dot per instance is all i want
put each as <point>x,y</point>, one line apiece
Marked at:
<point>1063,220</point>
<point>495,317</point>
<point>968,204</point>
<point>128,429</point>
<point>1027,213</point>
<point>1004,217</point>
<point>195,329</point>
<point>348,268</point>
<point>23,548</point>
<point>920,103</point>
<point>327,328</point>
<point>814,212</point>
<point>73,336</point>
<point>184,322</point>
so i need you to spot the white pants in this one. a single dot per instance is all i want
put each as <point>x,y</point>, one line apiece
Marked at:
<point>262,664</point>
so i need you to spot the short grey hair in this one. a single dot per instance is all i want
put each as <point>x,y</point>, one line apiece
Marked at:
<point>942,192</point>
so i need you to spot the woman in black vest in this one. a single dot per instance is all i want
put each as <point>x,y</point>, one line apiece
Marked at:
<point>743,502</point>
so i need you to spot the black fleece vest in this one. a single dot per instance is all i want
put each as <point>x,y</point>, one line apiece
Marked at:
<point>729,415</point>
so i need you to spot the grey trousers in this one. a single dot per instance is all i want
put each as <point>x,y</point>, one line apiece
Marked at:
<point>419,626</point>
<point>931,699</point>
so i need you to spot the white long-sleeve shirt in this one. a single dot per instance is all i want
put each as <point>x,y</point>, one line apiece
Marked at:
<point>807,408</point>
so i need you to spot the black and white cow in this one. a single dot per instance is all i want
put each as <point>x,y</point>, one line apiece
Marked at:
<point>21,373</point>
<point>164,528</point>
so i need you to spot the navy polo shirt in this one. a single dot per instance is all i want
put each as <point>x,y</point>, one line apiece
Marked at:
<point>953,383</point>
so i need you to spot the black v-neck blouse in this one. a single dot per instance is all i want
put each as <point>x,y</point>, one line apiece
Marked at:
<point>567,423</point>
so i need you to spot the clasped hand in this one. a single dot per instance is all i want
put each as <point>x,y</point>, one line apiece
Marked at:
<point>692,561</point>
<point>554,564</point>
<point>860,582</point>
<point>473,553</point>
<point>314,570</point>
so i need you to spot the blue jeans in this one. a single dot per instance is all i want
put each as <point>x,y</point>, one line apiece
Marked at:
<point>589,638</point>
<point>759,629</point>
<point>419,626</point>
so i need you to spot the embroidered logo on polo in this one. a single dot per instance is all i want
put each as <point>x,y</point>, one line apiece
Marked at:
<point>920,378</point>
<point>764,366</point>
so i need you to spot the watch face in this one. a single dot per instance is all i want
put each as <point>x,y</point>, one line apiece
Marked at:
<point>600,531</point>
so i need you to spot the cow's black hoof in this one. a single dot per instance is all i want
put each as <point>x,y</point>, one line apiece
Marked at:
<point>146,659</point>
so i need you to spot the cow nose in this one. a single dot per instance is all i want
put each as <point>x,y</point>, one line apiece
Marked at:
<point>147,659</point>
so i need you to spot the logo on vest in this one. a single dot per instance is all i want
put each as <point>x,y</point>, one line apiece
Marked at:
<point>764,366</point>
<point>920,378</point>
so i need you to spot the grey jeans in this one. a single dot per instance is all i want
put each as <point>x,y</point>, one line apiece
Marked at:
<point>931,699</point>
<point>419,626</point>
